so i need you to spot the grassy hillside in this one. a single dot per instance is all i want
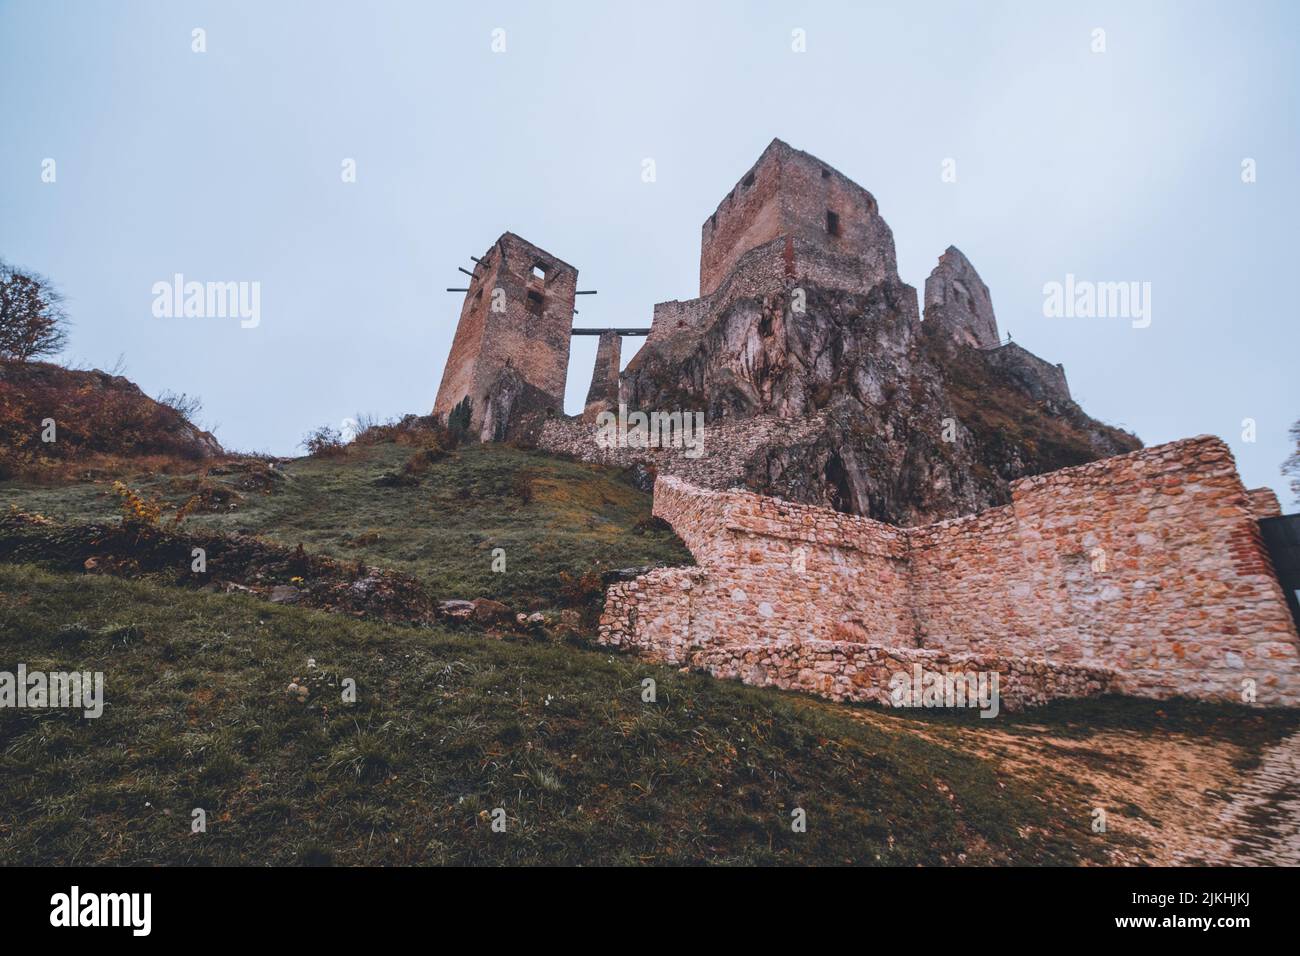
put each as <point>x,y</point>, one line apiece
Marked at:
<point>550,516</point>
<point>451,723</point>
<point>101,419</point>
<point>446,728</point>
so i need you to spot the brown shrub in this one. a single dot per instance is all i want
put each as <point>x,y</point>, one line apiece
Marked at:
<point>521,486</point>
<point>325,442</point>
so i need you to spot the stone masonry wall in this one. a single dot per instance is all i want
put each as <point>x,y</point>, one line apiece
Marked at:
<point>728,446</point>
<point>1143,574</point>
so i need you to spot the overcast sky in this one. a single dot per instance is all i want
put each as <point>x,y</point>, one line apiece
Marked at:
<point>1124,165</point>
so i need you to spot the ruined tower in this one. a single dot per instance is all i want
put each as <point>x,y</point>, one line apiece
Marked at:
<point>958,301</point>
<point>793,195</point>
<point>603,394</point>
<point>510,355</point>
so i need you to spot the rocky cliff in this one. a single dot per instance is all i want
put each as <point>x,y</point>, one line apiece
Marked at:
<point>919,423</point>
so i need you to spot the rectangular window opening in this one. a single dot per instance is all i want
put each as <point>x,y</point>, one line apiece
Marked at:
<point>832,223</point>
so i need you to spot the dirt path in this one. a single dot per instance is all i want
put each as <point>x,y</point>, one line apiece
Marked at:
<point>1261,826</point>
<point>1168,798</point>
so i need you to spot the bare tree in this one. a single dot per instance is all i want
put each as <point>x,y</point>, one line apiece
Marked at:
<point>32,319</point>
<point>1291,467</point>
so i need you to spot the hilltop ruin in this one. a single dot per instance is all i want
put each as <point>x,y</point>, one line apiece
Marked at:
<point>818,377</point>
<point>880,492</point>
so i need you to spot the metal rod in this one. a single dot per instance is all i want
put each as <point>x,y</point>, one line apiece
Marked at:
<point>466,271</point>
<point>458,290</point>
<point>585,292</point>
<point>603,331</point>
<point>476,258</point>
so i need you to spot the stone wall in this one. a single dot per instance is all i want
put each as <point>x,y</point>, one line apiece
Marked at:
<point>728,447</point>
<point>847,671</point>
<point>1043,381</point>
<point>1143,574</point>
<point>603,393</point>
<point>1263,503</point>
<point>958,301</point>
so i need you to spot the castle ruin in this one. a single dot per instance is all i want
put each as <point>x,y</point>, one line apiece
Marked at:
<point>882,488</point>
<point>802,329</point>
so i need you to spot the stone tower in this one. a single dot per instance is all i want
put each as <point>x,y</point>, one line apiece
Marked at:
<point>603,394</point>
<point>817,209</point>
<point>510,356</point>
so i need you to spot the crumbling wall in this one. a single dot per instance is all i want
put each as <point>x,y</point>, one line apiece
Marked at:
<point>1143,573</point>
<point>1263,503</point>
<point>958,302</point>
<point>1043,381</point>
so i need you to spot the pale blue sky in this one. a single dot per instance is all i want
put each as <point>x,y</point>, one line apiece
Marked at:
<point>225,165</point>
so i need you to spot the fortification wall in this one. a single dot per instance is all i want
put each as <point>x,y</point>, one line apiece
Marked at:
<point>728,447</point>
<point>1144,573</point>
<point>1040,378</point>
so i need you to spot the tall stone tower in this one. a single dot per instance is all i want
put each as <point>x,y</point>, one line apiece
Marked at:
<point>510,356</point>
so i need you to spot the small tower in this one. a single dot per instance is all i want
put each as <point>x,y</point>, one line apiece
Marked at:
<point>510,356</point>
<point>603,394</point>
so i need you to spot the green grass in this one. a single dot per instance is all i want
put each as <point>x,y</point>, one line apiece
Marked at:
<point>443,530</point>
<point>452,724</point>
<point>448,727</point>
